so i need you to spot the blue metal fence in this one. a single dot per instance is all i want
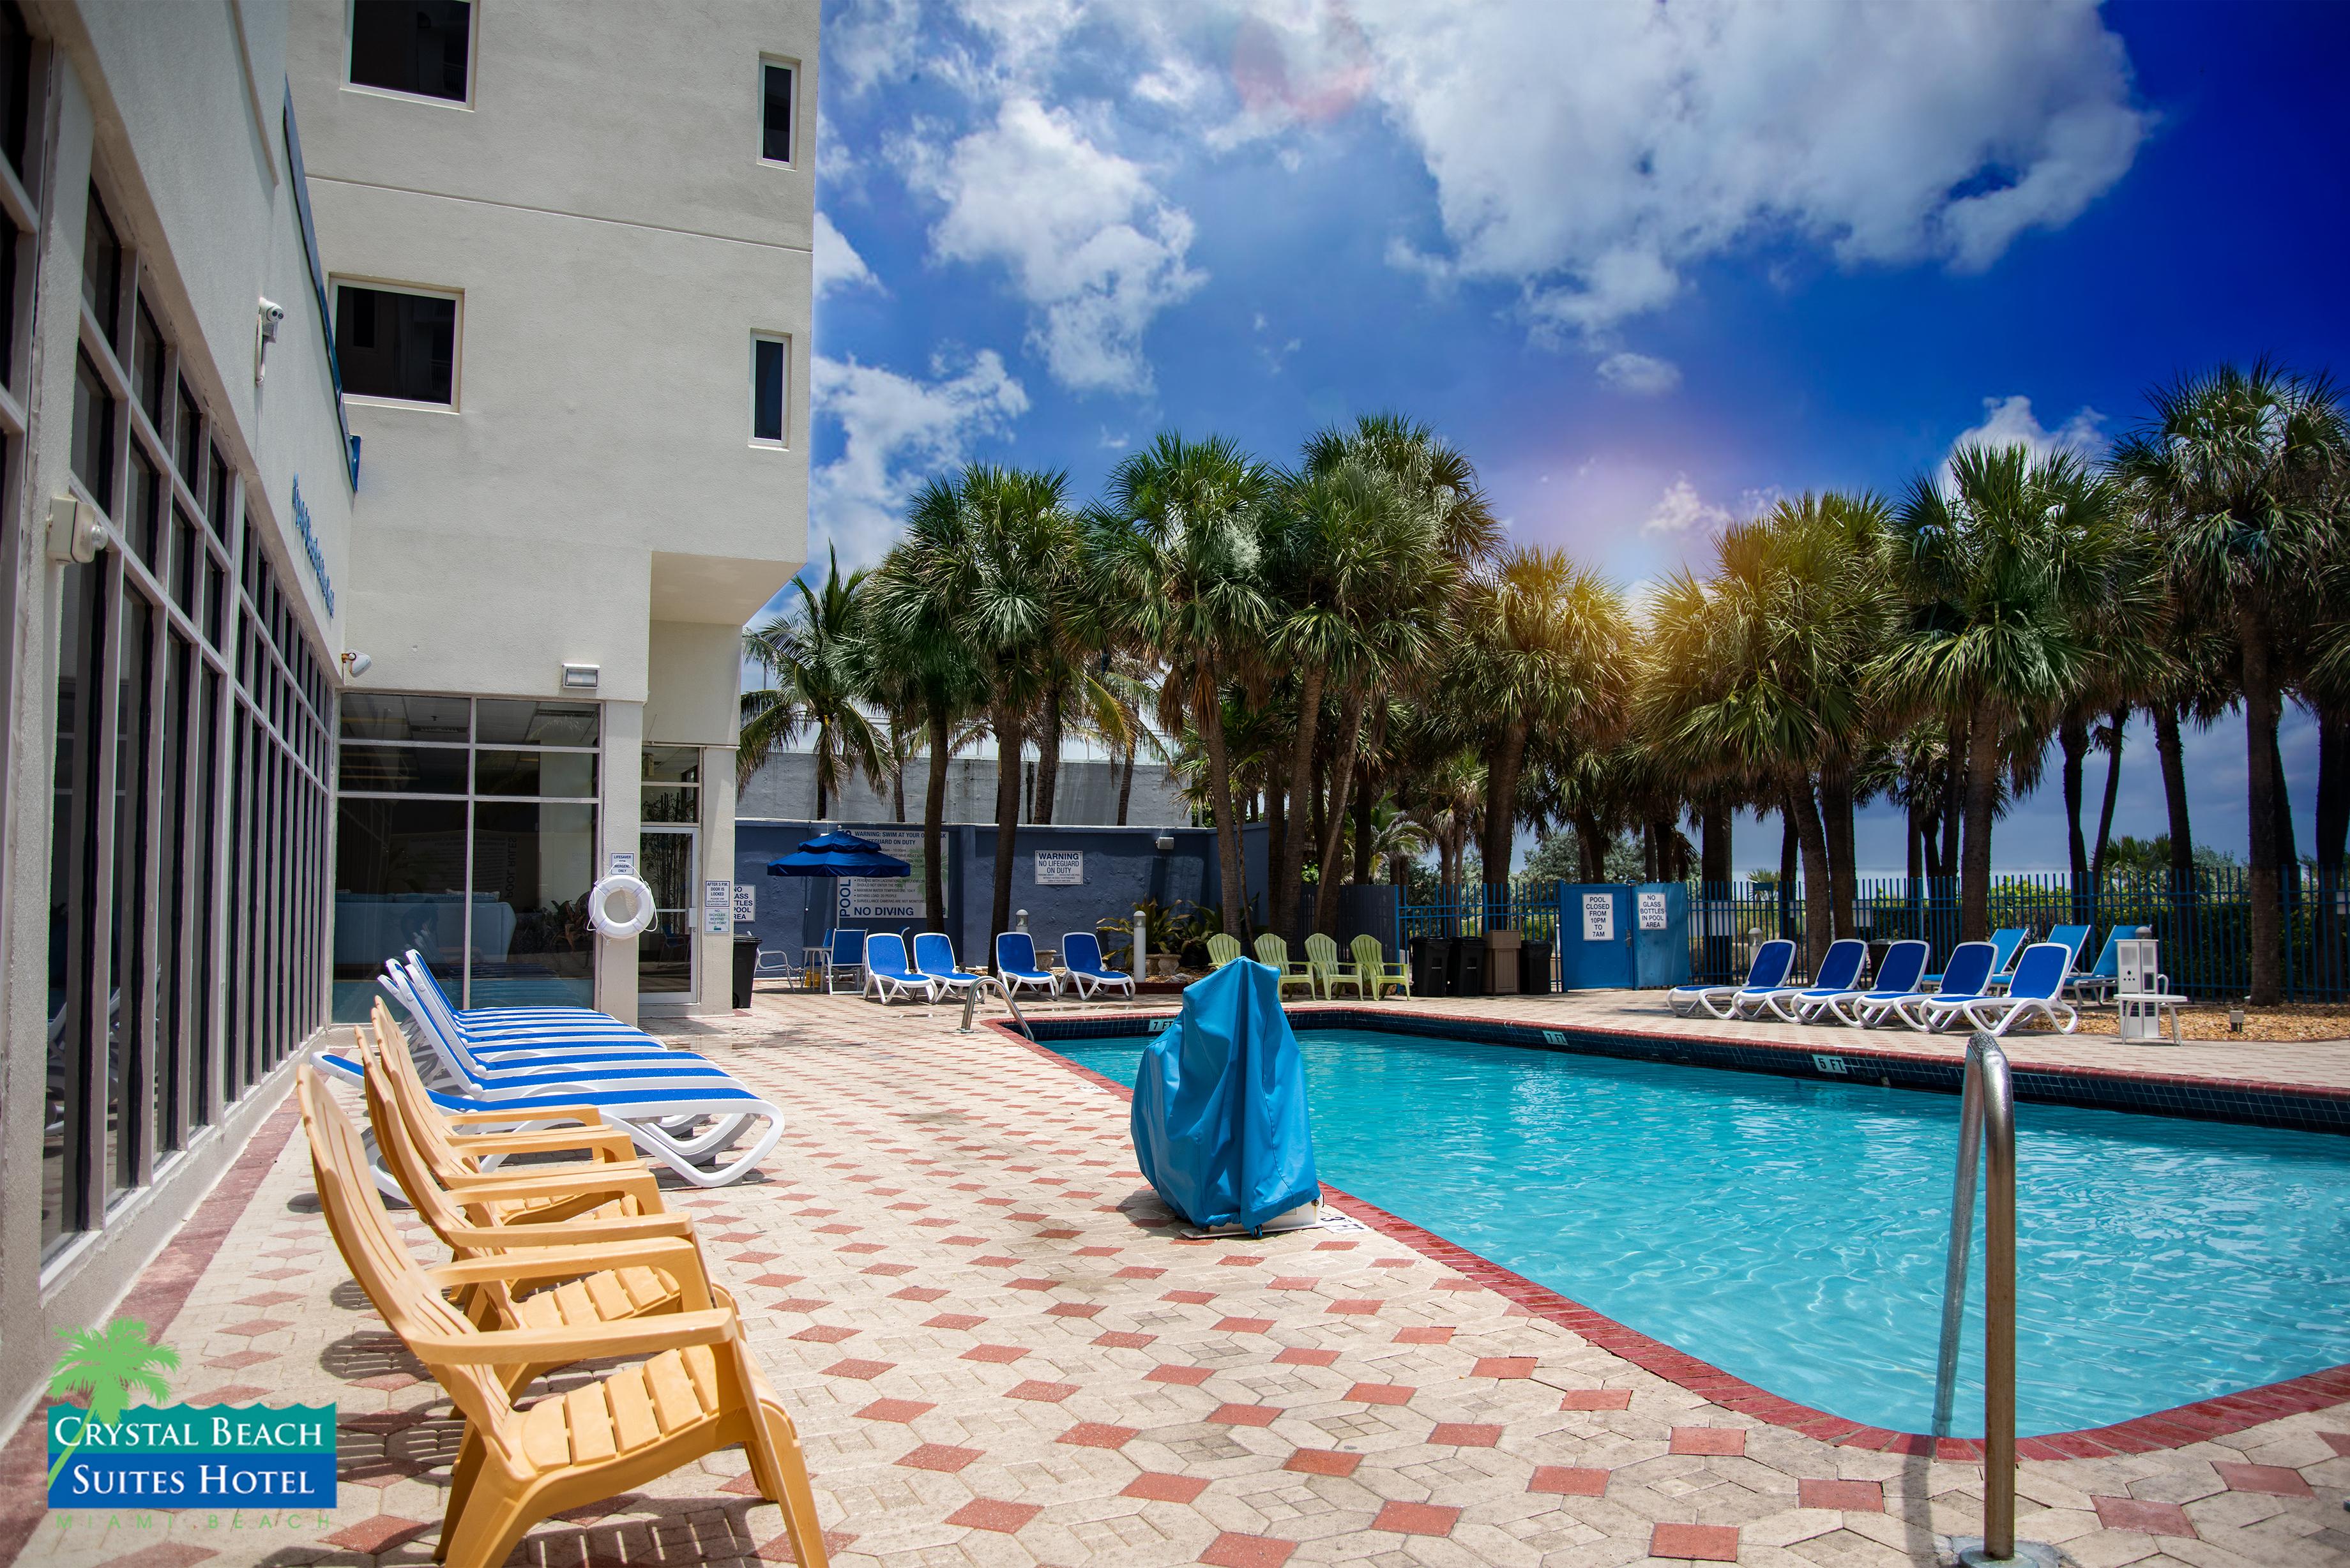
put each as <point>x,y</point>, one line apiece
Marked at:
<point>2204,925</point>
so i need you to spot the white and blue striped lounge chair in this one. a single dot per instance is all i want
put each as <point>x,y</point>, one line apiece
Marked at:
<point>1768,973</point>
<point>1897,980</point>
<point>513,1064</point>
<point>1839,974</point>
<point>1081,956</point>
<point>494,1043</point>
<point>1016,965</point>
<point>888,972</point>
<point>1965,978</point>
<point>2036,987</point>
<point>2101,977</point>
<point>934,961</point>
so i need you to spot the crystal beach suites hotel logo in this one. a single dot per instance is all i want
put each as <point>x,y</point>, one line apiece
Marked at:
<point>174,1455</point>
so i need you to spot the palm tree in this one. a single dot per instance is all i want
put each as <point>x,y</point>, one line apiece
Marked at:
<point>108,1365</point>
<point>811,655</point>
<point>2003,570</point>
<point>987,559</point>
<point>2237,469</point>
<point>1182,537</point>
<point>1544,646</point>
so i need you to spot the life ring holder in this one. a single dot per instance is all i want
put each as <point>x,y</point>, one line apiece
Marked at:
<point>641,912</point>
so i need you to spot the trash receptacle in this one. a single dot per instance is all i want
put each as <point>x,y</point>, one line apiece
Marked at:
<point>1502,949</point>
<point>1464,967</point>
<point>1533,969</point>
<point>746,964</point>
<point>1428,963</point>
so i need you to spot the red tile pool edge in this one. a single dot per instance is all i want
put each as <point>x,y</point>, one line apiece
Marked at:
<point>2173,1428</point>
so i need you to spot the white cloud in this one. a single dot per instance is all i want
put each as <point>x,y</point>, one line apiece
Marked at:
<point>2010,421</point>
<point>897,432</point>
<point>838,265</point>
<point>1640,373</point>
<point>869,41</point>
<point>1643,139</point>
<point>1089,244</point>
<point>1680,509</point>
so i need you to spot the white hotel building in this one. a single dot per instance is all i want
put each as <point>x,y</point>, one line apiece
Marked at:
<point>403,403</point>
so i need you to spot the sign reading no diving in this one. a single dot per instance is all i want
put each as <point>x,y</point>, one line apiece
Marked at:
<point>1599,917</point>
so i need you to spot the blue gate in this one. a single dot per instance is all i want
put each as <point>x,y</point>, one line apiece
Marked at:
<point>1660,934</point>
<point>1594,936</point>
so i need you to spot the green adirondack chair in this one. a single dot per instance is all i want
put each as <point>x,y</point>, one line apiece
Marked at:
<point>1222,948</point>
<point>1274,950</point>
<point>1322,959</point>
<point>1376,975</point>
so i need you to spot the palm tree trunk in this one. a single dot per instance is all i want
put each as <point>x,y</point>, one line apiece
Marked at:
<point>1788,868</point>
<point>1818,888</point>
<point>1124,784</point>
<point>2072,737</point>
<point>1844,877</point>
<point>1974,850</point>
<point>1367,800</point>
<point>1954,795</point>
<point>1590,847</point>
<point>934,816</point>
<point>2262,706</point>
<point>1714,855</point>
<point>2169,747</point>
<point>2288,858</point>
<point>1501,768</point>
<point>1276,847</point>
<point>2119,720</point>
<point>1325,900</point>
<point>1301,788</point>
<point>1048,757</point>
<point>1005,720</point>
<point>1233,877</point>
<point>2333,792</point>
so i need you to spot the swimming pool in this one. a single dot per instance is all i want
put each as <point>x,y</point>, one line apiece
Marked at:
<point>1793,1232</point>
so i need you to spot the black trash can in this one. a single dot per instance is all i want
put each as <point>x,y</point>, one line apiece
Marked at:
<point>1533,969</point>
<point>746,964</point>
<point>1465,967</point>
<point>1427,966</point>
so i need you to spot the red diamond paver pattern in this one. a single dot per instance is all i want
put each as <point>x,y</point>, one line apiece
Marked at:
<point>1059,1377</point>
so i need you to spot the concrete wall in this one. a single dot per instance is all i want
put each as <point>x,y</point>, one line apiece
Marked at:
<point>785,787</point>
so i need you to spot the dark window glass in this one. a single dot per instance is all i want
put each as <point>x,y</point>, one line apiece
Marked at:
<point>191,445</point>
<point>186,561</point>
<point>776,113</point>
<point>201,1078</point>
<point>65,1144</point>
<point>533,866</point>
<point>130,963</point>
<point>147,370</point>
<point>393,345</point>
<point>411,46</point>
<point>767,390</point>
<point>399,879</point>
<point>93,432</point>
<point>507,723</point>
<point>403,770</point>
<point>101,269</point>
<point>220,504</point>
<point>172,881</point>
<point>215,596</point>
<point>144,522</point>
<point>8,238</point>
<point>376,716</point>
<point>570,774</point>
<point>15,83</point>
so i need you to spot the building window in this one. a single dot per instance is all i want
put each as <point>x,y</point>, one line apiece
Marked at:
<point>468,832</point>
<point>101,269</point>
<point>420,46</point>
<point>93,432</point>
<point>15,84</point>
<point>774,112</point>
<point>147,365</point>
<point>393,344</point>
<point>771,360</point>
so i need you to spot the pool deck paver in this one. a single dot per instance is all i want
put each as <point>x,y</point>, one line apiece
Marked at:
<point>1000,1350</point>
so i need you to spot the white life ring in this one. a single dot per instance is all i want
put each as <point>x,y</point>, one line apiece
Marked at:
<point>640,906</point>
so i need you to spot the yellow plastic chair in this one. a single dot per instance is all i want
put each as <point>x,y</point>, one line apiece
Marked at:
<point>1322,959</point>
<point>1273,951</point>
<point>690,1390</point>
<point>1375,976</point>
<point>1222,948</point>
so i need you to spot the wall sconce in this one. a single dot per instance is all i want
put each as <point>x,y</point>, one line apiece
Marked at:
<point>76,533</point>
<point>580,677</point>
<point>268,316</point>
<point>356,665</point>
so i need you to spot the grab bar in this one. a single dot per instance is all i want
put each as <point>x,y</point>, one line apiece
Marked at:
<point>1986,1124</point>
<point>970,1005</point>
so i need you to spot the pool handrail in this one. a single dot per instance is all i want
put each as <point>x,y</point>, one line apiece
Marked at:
<point>1986,1132</point>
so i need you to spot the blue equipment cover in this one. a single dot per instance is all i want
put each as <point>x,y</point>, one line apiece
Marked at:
<point>1220,1124</point>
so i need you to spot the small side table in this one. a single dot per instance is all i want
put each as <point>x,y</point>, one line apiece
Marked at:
<point>2141,1015</point>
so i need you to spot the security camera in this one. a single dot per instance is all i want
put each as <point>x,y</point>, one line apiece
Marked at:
<point>356,665</point>
<point>272,313</point>
<point>77,533</point>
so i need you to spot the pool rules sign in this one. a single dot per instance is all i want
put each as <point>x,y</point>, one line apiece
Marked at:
<point>1599,917</point>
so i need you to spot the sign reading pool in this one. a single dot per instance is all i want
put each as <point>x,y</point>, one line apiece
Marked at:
<point>192,1456</point>
<point>1599,917</point>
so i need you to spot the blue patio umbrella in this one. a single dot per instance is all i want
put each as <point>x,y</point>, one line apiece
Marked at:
<point>838,855</point>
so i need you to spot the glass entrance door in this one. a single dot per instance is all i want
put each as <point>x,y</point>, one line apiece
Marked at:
<point>666,861</point>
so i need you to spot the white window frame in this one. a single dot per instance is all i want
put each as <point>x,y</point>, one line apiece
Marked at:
<point>335,285</point>
<point>472,65</point>
<point>772,443</point>
<point>759,110</point>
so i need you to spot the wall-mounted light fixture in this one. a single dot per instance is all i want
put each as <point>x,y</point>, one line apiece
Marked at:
<point>580,677</point>
<point>1165,841</point>
<point>268,313</point>
<point>77,533</point>
<point>356,665</point>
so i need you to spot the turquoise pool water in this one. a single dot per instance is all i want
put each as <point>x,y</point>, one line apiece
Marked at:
<point>1792,1231</point>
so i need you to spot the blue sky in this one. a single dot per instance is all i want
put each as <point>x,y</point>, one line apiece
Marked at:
<point>1648,265</point>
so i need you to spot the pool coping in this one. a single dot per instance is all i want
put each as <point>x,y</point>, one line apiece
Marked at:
<point>2175,1427</point>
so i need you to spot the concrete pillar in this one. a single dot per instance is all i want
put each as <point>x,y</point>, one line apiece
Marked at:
<point>617,824</point>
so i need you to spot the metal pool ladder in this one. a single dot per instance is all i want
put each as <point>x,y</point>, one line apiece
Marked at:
<point>971,1004</point>
<point>1986,1134</point>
